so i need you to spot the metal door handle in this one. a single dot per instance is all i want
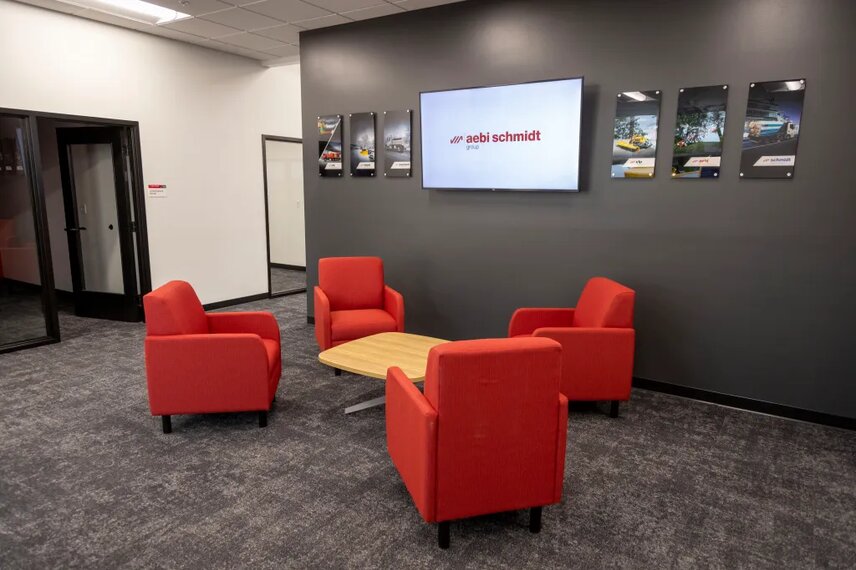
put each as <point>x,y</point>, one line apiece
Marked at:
<point>70,229</point>
<point>81,228</point>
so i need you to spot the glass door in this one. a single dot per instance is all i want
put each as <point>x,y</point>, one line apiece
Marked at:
<point>98,223</point>
<point>27,308</point>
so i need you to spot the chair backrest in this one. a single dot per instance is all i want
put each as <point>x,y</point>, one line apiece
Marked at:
<point>174,309</point>
<point>352,282</point>
<point>498,407</point>
<point>605,303</point>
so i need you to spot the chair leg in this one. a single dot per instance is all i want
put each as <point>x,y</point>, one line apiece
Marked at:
<point>443,535</point>
<point>262,419</point>
<point>613,409</point>
<point>535,520</point>
<point>337,372</point>
<point>166,422</point>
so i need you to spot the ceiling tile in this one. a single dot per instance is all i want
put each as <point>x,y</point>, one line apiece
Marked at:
<point>346,5</point>
<point>286,33</point>
<point>419,4</point>
<point>331,20</point>
<point>240,51</point>
<point>54,5</point>
<point>202,28</point>
<point>241,19</point>
<point>283,51</point>
<point>192,7</point>
<point>176,35</point>
<point>374,12</point>
<point>249,41</point>
<point>287,10</point>
<point>111,19</point>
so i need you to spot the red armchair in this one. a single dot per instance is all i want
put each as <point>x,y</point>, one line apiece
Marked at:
<point>198,363</point>
<point>487,436</point>
<point>597,339</point>
<point>352,301</point>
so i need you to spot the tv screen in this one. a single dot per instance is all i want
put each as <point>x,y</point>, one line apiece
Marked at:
<point>509,137</point>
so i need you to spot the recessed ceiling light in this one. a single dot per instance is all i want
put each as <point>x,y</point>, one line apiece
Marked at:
<point>136,10</point>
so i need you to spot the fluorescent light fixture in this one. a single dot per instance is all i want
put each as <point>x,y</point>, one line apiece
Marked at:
<point>136,10</point>
<point>635,95</point>
<point>794,85</point>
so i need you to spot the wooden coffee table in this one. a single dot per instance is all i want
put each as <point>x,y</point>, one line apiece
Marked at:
<point>373,355</point>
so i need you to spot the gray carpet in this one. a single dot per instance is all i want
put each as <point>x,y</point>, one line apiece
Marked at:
<point>282,279</point>
<point>88,479</point>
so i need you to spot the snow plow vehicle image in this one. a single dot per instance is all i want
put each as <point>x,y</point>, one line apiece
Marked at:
<point>634,143</point>
<point>771,130</point>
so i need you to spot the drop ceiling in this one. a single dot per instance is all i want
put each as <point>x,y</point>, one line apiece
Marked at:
<point>264,30</point>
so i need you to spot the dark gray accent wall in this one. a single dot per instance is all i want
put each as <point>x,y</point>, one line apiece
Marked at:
<point>745,287</point>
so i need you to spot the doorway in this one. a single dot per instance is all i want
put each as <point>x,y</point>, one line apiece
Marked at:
<point>99,224</point>
<point>64,181</point>
<point>286,235</point>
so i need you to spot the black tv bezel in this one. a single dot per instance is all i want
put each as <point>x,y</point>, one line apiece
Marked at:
<point>460,189</point>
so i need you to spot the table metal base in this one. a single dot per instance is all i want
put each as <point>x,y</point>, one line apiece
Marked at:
<point>366,405</point>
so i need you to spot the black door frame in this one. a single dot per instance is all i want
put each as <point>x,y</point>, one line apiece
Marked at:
<point>271,293</point>
<point>33,167</point>
<point>32,159</point>
<point>87,303</point>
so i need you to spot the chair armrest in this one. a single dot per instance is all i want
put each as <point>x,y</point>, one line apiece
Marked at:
<point>393,303</point>
<point>597,363</point>
<point>525,321</point>
<point>258,322</point>
<point>203,373</point>
<point>323,330</point>
<point>561,447</point>
<point>411,438</point>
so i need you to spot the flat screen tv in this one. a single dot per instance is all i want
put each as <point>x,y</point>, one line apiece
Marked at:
<point>507,137</point>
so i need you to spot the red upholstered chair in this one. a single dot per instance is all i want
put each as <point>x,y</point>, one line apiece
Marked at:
<point>597,339</point>
<point>487,436</point>
<point>198,363</point>
<point>352,301</point>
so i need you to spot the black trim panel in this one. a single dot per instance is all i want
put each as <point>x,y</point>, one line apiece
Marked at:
<point>310,320</point>
<point>237,301</point>
<point>287,266</point>
<point>746,403</point>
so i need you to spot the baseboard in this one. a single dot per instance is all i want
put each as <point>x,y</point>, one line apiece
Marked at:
<point>287,266</point>
<point>21,286</point>
<point>238,301</point>
<point>747,403</point>
<point>310,320</point>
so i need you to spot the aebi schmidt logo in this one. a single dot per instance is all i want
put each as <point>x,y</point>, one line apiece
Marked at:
<point>474,140</point>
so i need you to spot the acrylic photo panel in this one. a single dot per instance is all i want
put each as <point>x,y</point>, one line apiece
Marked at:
<point>772,128</point>
<point>396,143</point>
<point>700,125</point>
<point>634,144</point>
<point>330,145</point>
<point>362,144</point>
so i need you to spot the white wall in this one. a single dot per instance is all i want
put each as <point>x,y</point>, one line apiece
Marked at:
<point>285,202</point>
<point>201,115</point>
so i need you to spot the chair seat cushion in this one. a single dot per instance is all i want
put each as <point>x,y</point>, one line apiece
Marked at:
<point>351,325</point>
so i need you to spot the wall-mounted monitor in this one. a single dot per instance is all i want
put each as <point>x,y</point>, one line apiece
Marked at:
<point>508,137</point>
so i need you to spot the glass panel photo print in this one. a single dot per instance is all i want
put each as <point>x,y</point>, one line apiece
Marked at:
<point>772,128</point>
<point>698,131</point>
<point>396,143</point>
<point>362,144</point>
<point>634,145</point>
<point>330,145</point>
